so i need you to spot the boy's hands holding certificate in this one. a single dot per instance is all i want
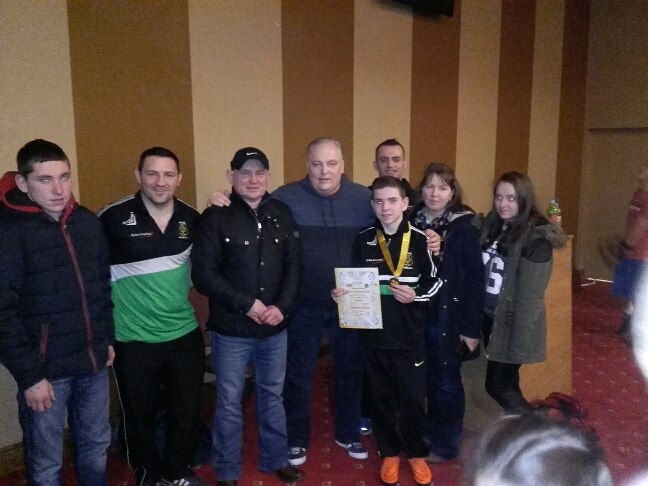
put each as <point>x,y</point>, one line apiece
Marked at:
<point>337,293</point>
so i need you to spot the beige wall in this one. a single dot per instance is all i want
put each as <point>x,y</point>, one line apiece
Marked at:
<point>35,85</point>
<point>545,99</point>
<point>434,84</point>
<point>317,42</point>
<point>131,87</point>
<point>616,139</point>
<point>382,82</point>
<point>618,65</point>
<point>477,106</point>
<point>236,73</point>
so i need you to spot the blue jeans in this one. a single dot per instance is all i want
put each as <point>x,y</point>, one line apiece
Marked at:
<point>305,329</point>
<point>83,399</point>
<point>446,398</point>
<point>231,356</point>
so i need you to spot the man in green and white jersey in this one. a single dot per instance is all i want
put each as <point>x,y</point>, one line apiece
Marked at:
<point>159,345</point>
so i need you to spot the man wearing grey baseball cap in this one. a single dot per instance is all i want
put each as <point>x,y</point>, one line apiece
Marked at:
<point>246,261</point>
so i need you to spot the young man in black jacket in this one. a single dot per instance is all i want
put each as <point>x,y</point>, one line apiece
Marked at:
<point>246,260</point>
<point>56,326</point>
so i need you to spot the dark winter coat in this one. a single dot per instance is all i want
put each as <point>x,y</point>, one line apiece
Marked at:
<point>240,255</point>
<point>519,333</point>
<point>55,307</point>
<point>458,308</point>
<point>327,226</point>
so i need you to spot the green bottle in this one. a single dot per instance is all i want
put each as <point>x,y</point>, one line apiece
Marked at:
<point>553,212</point>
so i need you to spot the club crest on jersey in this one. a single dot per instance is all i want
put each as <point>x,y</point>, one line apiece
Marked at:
<point>183,230</point>
<point>409,261</point>
<point>131,221</point>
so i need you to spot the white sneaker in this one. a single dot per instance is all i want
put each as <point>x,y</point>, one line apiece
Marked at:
<point>297,456</point>
<point>354,449</point>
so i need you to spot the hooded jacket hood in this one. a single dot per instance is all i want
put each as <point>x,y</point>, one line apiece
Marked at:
<point>551,232</point>
<point>13,198</point>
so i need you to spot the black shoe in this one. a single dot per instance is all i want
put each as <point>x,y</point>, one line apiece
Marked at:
<point>289,474</point>
<point>228,482</point>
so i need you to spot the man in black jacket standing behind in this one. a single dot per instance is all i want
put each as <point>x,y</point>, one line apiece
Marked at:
<point>246,260</point>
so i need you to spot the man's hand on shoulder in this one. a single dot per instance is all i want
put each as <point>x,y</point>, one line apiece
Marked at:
<point>219,199</point>
<point>40,396</point>
<point>272,316</point>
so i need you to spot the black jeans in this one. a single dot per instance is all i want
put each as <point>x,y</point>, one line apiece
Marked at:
<point>148,374</point>
<point>503,379</point>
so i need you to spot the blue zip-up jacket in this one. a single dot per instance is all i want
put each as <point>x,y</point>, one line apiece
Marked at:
<point>327,226</point>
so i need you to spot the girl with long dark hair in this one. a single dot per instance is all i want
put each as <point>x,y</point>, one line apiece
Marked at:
<point>517,244</point>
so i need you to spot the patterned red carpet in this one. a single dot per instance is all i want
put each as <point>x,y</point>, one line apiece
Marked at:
<point>605,380</point>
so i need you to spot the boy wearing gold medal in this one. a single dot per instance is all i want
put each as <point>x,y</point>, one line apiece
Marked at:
<point>395,366</point>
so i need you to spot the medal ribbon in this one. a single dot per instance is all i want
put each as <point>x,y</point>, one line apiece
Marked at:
<point>403,251</point>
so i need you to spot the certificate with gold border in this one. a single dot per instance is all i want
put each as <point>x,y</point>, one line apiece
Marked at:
<point>360,307</point>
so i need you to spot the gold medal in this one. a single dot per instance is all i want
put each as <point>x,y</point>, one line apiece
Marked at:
<point>402,258</point>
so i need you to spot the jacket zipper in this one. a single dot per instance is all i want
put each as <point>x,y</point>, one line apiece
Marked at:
<point>84,300</point>
<point>42,345</point>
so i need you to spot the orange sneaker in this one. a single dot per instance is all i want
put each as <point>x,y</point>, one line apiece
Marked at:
<point>421,471</point>
<point>389,471</point>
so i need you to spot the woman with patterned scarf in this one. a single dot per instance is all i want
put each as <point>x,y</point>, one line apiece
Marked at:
<point>454,321</point>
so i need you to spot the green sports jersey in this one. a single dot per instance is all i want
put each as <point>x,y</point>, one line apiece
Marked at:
<point>165,313</point>
<point>150,271</point>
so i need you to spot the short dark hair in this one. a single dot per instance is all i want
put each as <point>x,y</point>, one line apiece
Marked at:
<point>531,449</point>
<point>448,176</point>
<point>388,181</point>
<point>390,142</point>
<point>38,151</point>
<point>158,152</point>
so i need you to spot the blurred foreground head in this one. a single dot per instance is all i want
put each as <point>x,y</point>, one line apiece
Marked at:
<point>532,450</point>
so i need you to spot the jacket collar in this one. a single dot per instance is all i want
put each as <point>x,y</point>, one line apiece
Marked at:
<point>402,227</point>
<point>236,197</point>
